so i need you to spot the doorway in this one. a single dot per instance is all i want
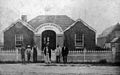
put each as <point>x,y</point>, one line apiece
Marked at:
<point>49,36</point>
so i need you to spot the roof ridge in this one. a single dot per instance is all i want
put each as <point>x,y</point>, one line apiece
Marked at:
<point>47,15</point>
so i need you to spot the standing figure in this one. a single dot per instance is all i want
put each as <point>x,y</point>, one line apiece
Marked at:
<point>64,54</point>
<point>46,54</point>
<point>49,51</point>
<point>28,52</point>
<point>35,54</point>
<point>53,55</point>
<point>58,53</point>
<point>23,54</point>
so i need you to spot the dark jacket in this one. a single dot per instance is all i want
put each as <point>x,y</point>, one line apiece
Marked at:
<point>22,52</point>
<point>45,51</point>
<point>65,51</point>
<point>49,51</point>
<point>34,51</point>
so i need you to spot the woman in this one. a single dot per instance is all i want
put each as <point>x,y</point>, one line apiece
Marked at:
<point>53,55</point>
<point>46,55</point>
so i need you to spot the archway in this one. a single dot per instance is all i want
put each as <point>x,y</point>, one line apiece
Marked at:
<point>49,36</point>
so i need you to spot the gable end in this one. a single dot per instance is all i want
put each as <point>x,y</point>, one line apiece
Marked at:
<point>25,24</point>
<point>83,23</point>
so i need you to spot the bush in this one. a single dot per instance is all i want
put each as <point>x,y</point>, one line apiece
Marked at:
<point>103,61</point>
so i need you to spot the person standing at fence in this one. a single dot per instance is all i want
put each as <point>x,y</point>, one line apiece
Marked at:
<point>64,54</point>
<point>58,53</point>
<point>28,52</point>
<point>23,54</point>
<point>35,54</point>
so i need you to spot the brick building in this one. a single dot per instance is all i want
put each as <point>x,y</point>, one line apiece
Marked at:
<point>55,29</point>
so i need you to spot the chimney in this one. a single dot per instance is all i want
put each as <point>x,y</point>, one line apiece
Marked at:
<point>24,18</point>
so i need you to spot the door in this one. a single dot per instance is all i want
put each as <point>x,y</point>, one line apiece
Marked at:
<point>49,36</point>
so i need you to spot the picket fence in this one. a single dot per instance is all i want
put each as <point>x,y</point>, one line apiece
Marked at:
<point>73,56</point>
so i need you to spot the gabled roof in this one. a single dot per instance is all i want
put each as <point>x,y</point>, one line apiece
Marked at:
<point>24,23</point>
<point>83,23</point>
<point>109,30</point>
<point>62,20</point>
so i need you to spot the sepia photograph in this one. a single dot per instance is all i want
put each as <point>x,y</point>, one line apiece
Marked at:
<point>59,37</point>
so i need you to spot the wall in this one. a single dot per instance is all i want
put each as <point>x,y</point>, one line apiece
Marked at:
<point>18,28</point>
<point>101,41</point>
<point>79,27</point>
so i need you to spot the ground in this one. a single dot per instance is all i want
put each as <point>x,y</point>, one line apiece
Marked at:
<point>57,69</point>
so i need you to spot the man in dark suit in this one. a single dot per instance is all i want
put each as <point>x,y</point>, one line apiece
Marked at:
<point>23,54</point>
<point>35,54</point>
<point>65,54</point>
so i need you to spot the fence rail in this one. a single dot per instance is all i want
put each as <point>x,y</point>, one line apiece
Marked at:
<point>73,56</point>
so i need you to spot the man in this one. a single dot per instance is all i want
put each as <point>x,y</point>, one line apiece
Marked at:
<point>28,51</point>
<point>58,53</point>
<point>64,54</point>
<point>35,54</point>
<point>23,54</point>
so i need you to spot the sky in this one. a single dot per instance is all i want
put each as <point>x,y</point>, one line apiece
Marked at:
<point>99,14</point>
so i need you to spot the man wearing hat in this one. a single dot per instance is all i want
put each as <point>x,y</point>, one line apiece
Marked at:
<point>28,51</point>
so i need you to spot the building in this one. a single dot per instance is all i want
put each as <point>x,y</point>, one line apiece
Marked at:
<point>55,29</point>
<point>17,34</point>
<point>110,39</point>
<point>108,35</point>
<point>79,36</point>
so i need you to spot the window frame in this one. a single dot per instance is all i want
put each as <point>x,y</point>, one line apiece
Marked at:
<point>18,37</point>
<point>79,46</point>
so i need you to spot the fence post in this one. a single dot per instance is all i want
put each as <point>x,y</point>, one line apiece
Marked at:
<point>16,49</point>
<point>84,54</point>
<point>114,54</point>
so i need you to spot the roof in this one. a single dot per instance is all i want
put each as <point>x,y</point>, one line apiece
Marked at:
<point>83,23</point>
<point>116,39</point>
<point>24,23</point>
<point>109,30</point>
<point>62,20</point>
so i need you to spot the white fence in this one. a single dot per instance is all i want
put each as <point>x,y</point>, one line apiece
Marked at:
<point>90,56</point>
<point>8,55</point>
<point>73,56</point>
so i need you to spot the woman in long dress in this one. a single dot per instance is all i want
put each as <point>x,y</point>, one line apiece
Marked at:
<point>46,55</point>
<point>53,56</point>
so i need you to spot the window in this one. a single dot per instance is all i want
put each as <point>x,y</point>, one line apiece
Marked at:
<point>18,40</point>
<point>79,41</point>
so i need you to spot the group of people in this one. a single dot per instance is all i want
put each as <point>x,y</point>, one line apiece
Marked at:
<point>51,55</point>
<point>28,52</point>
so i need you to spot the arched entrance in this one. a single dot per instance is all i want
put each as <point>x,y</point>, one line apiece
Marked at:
<point>49,36</point>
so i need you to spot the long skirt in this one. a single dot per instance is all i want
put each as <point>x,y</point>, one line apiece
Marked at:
<point>46,58</point>
<point>53,56</point>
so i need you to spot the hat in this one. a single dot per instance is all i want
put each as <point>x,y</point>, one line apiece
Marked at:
<point>28,46</point>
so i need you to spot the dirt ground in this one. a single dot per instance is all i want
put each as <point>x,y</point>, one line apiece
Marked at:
<point>57,69</point>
